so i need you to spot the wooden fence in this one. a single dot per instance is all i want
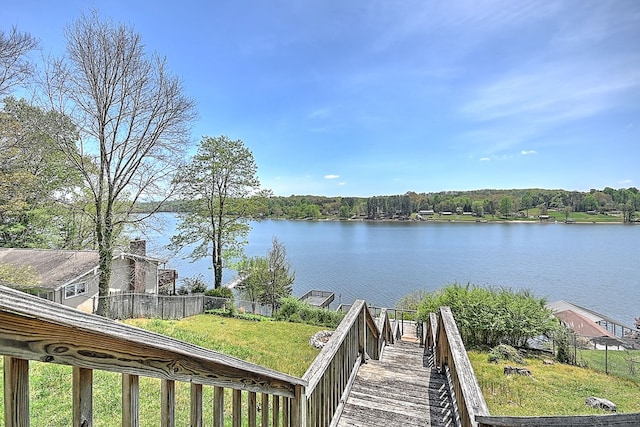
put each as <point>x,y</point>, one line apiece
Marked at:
<point>139,305</point>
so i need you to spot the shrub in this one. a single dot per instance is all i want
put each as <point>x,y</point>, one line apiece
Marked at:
<point>293,310</point>
<point>192,285</point>
<point>505,352</point>
<point>220,293</point>
<point>487,317</point>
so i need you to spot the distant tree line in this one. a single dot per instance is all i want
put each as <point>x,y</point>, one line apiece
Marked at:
<point>481,203</point>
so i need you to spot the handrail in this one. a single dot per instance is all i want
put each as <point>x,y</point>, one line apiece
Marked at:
<point>451,354</point>
<point>608,420</point>
<point>332,373</point>
<point>32,328</point>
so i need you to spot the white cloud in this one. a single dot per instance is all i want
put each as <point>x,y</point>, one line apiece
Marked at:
<point>626,181</point>
<point>342,183</point>
<point>525,153</point>
<point>331,176</point>
<point>485,159</point>
<point>320,113</point>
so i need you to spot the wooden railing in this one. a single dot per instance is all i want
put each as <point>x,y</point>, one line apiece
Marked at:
<point>33,329</point>
<point>442,335</point>
<point>451,356</point>
<point>329,378</point>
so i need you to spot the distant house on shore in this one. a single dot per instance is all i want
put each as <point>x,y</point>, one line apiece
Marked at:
<point>71,277</point>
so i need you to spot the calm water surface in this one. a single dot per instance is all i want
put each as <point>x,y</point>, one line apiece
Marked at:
<point>591,265</point>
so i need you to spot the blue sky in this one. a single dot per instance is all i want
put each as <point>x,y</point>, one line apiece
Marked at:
<point>362,98</point>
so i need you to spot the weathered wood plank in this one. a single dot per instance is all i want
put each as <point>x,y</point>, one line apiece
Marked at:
<point>321,362</point>
<point>37,329</point>
<point>218,407</point>
<point>16,392</point>
<point>196,405</point>
<point>468,393</point>
<point>276,411</point>
<point>82,397</point>
<point>167,403</point>
<point>397,390</point>
<point>236,420</point>
<point>265,410</point>
<point>130,400</point>
<point>252,407</point>
<point>626,420</point>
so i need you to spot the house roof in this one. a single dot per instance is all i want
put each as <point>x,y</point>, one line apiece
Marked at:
<point>56,268</point>
<point>582,325</point>
<point>558,306</point>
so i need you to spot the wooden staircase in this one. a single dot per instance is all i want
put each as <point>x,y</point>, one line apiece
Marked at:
<point>401,389</point>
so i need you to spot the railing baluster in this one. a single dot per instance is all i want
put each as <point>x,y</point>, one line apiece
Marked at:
<point>286,412</point>
<point>276,411</point>
<point>237,408</point>
<point>16,392</point>
<point>196,405</point>
<point>252,405</point>
<point>265,410</point>
<point>218,406</point>
<point>130,400</point>
<point>82,397</point>
<point>168,403</point>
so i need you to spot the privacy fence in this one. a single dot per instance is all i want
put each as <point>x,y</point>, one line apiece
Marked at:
<point>169,307</point>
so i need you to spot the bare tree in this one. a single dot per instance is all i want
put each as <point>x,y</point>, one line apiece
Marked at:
<point>15,68</point>
<point>133,120</point>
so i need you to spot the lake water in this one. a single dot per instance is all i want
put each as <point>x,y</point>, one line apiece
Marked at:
<point>591,265</point>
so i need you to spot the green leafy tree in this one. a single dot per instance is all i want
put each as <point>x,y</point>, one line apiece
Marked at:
<point>133,123</point>
<point>254,272</point>
<point>280,276</point>
<point>505,206</point>
<point>267,279</point>
<point>526,202</point>
<point>477,207</point>
<point>221,184</point>
<point>36,179</point>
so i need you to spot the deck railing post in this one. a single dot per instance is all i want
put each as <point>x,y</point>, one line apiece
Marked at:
<point>218,406</point>
<point>196,405</point>
<point>236,417</point>
<point>298,408</point>
<point>168,403</point>
<point>130,401</point>
<point>16,392</point>
<point>82,397</point>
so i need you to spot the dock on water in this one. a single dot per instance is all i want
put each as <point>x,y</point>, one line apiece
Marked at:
<point>317,298</point>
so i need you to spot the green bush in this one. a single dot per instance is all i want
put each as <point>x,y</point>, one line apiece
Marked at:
<point>293,310</point>
<point>505,352</point>
<point>220,292</point>
<point>487,317</point>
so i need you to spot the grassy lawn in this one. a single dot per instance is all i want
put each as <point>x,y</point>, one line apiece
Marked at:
<point>277,345</point>
<point>551,390</point>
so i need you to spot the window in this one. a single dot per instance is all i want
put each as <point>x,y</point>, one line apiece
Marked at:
<point>75,289</point>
